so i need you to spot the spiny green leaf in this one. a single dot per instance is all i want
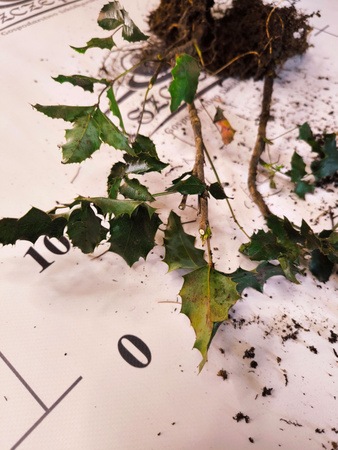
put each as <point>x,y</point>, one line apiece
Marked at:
<point>110,134</point>
<point>305,134</point>
<point>328,165</point>
<point>132,237</point>
<point>180,250</point>
<point>321,266</point>
<point>85,229</point>
<point>116,207</point>
<point>112,15</point>
<point>132,188</point>
<point>298,165</point>
<point>289,268</point>
<point>82,140</point>
<point>144,145</point>
<point>31,226</point>
<point>87,83</point>
<point>114,108</point>
<point>185,80</point>
<point>255,278</point>
<point>264,246</point>
<point>143,163</point>
<point>103,43</point>
<point>190,186</point>
<point>302,188</point>
<point>114,179</point>
<point>207,295</point>
<point>67,113</point>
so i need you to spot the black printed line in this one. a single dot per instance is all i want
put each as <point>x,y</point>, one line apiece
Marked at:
<point>19,377</point>
<point>32,428</point>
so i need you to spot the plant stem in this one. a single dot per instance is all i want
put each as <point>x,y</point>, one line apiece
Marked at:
<point>260,144</point>
<point>198,171</point>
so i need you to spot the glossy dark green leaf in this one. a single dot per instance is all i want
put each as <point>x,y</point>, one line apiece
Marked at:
<point>103,43</point>
<point>190,186</point>
<point>144,145</point>
<point>302,188</point>
<point>264,246</point>
<point>132,237</point>
<point>110,134</point>
<point>67,113</point>
<point>298,165</point>
<point>114,108</point>
<point>305,134</point>
<point>289,268</point>
<point>112,15</point>
<point>114,179</point>
<point>143,163</point>
<point>328,165</point>
<point>116,207</point>
<point>85,229</point>
<point>133,189</point>
<point>320,265</point>
<point>256,278</point>
<point>86,83</point>
<point>82,140</point>
<point>185,80</point>
<point>217,191</point>
<point>31,226</point>
<point>180,250</point>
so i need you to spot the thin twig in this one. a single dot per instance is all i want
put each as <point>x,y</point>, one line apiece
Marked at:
<point>260,144</point>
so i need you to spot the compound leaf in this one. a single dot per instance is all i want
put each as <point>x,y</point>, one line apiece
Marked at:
<point>103,43</point>
<point>185,80</point>
<point>180,250</point>
<point>132,237</point>
<point>207,295</point>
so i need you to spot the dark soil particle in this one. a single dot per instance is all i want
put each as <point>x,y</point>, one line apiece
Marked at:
<point>318,430</point>
<point>266,391</point>
<point>333,337</point>
<point>223,373</point>
<point>313,349</point>
<point>240,416</point>
<point>249,353</point>
<point>251,440</point>
<point>253,364</point>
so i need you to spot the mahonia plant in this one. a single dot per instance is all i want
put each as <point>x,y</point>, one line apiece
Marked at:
<point>126,219</point>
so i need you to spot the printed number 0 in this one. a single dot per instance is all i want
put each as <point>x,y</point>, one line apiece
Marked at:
<point>128,356</point>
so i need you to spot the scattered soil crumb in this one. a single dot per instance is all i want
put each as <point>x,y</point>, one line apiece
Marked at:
<point>223,373</point>
<point>240,416</point>
<point>249,353</point>
<point>266,391</point>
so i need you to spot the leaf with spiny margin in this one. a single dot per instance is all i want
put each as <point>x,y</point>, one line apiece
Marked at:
<point>110,134</point>
<point>296,173</point>
<point>303,187</point>
<point>114,179</point>
<point>180,250</point>
<point>85,229</point>
<point>305,134</point>
<point>65,112</point>
<point>321,266</point>
<point>255,278</point>
<point>207,295</point>
<point>116,207</point>
<point>114,108</point>
<point>327,166</point>
<point>144,145</point>
<point>132,237</point>
<point>185,80</point>
<point>192,185</point>
<point>263,246</point>
<point>133,189</point>
<point>289,268</point>
<point>31,226</point>
<point>112,15</point>
<point>143,163</point>
<point>86,83</point>
<point>103,43</point>
<point>82,140</point>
